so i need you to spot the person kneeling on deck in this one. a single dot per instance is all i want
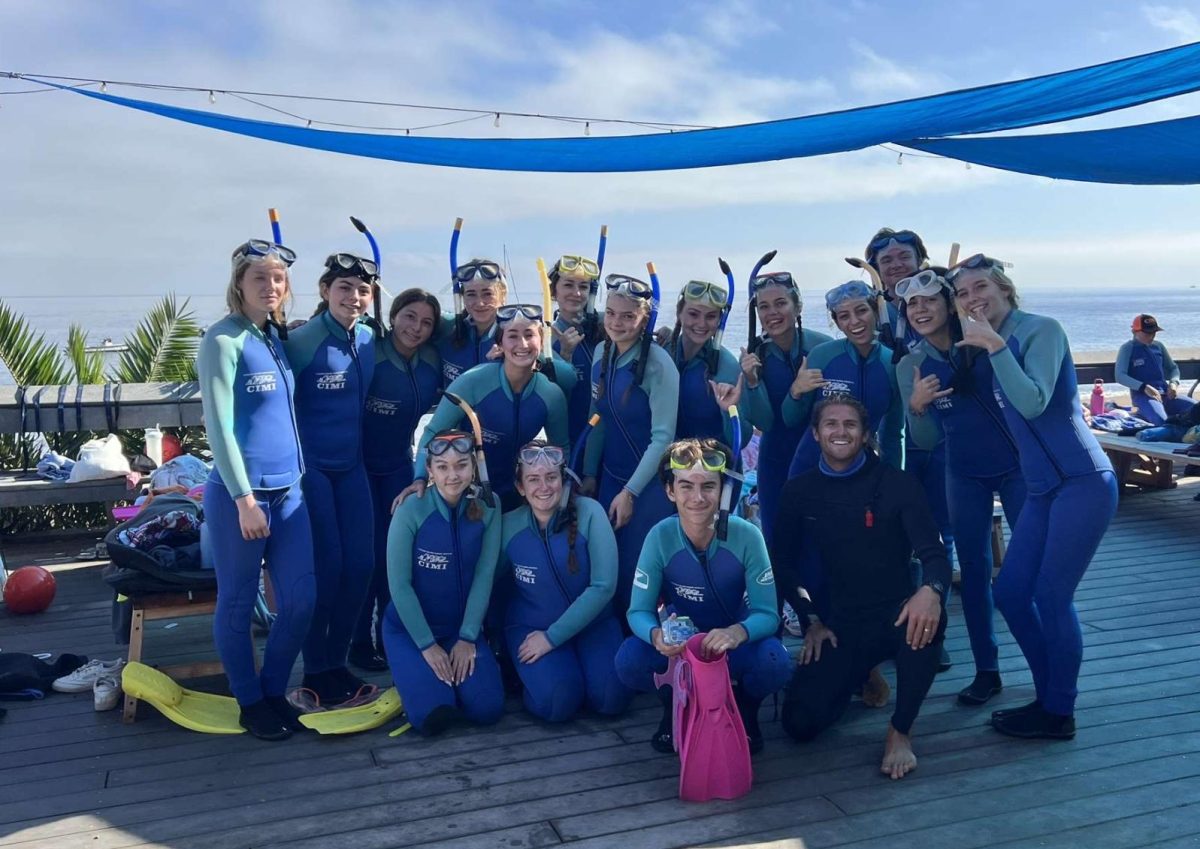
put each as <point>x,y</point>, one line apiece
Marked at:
<point>858,520</point>
<point>725,586</point>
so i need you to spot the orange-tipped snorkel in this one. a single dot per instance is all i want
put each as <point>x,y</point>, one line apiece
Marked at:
<point>480,460</point>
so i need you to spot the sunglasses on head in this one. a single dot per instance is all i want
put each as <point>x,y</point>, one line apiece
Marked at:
<point>508,312</point>
<point>685,458</point>
<point>852,291</point>
<point>443,442</point>
<point>925,283</point>
<point>486,269</point>
<point>536,455</point>
<point>619,284</point>
<point>775,278</point>
<point>570,262</point>
<point>709,293</point>
<point>973,263</point>
<point>904,237</point>
<point>256,250</point>
<point>349,265</point>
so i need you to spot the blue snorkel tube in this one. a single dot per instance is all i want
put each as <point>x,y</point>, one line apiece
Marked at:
<point>763,260</point>
<point>456,286</point>
<point>362,228</point>
<point>572,469</point>
<point>655,298</point>
<point>273,214</point>
<point>732,477</point>
<point>720,334</point>
<point>591,321</point>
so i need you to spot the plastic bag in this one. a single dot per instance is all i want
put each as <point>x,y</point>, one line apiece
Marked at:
<point>99,459</point>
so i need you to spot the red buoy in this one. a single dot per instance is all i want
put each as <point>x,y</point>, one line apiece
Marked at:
<point>29,589</point>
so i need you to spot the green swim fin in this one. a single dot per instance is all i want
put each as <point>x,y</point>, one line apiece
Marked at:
<point>203,712</point>
<point>355,719</point>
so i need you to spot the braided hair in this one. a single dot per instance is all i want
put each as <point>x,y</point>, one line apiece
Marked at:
<point>639,367</point>
<point>758,341</point>
<point>568,518</point>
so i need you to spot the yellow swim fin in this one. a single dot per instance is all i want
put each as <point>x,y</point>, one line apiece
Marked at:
<point>201,712</point>
<point>355,719</point>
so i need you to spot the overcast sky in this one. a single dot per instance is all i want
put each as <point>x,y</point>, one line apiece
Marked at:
<point>130,203</point>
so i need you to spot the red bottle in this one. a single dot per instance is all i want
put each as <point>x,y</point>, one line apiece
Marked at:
<point>1098,398</point>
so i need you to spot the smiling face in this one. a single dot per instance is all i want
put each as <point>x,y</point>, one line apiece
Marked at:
<point>413,326</point>
<point>856,319</point>
<point>451,473</point>
<point>349,298</point>
<point>521,342</point>
<point>777,308</point>
<point>542,487</point>
<point>263,288</point>
<point>981,297</point>
<point>571,293</point>
<point>624,319</point>
<point>480,299</point>
<point>840,434</point>
<point>698,322</point>
<point>697,495</point>
<point>895,262</point>
<point>927,313</point>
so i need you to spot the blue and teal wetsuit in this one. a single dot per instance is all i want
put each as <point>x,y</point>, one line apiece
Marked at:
<point>1139,366</point>
<point>1072,496</point>
<point>699,415</point>
<point>871,380</point>
<point>981,462</point>
<point>763,406</point>
<point>246,386</point>
<point>401,391</point>
<point>334,366</point>
<point>579,398</point>
<point>440,568</point>
<point>459,359</point>
<point>508,419</point>
<point>728,583</point>
<point>571,605</point>
<point>637,423</point>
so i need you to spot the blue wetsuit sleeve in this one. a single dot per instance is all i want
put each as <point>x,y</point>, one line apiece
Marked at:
<point>401,535</point>
<point>556,413</point>
<point>602,583</point>
<point>758,406</point>
<point>647,581</point>
<point>1029,389</point>
<point>564,374</point>
<point>762,620</point>
<point>303,343</point>
<point>796,411</point>
<point>1170,369</point>
<point>1124,354</point>
<point>662,387</point>
<point>467,386</point>
<point>217,367</point>
<point>891,445</point>
<point>923,429</point>
<point>594,449</point>
<point>728,371</point>
<point>485,574</point>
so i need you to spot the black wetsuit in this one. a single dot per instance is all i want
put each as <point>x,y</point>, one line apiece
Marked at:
<point>847,539</point>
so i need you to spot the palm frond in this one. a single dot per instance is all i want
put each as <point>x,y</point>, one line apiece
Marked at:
<point>29,358</point>
<point>88,365</point>
<point>163,347</point>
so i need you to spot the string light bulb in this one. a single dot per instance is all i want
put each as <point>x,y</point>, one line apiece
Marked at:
<point>103,87</point>
<point>900,159</point>
<point>496,123</point>
<point>968,166</point>
<point>212,96</point>
<point>587,128</point>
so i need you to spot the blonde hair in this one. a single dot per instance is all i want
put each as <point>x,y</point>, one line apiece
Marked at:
<point>500,282</point>
<point>233,293</point>
<point>1003,282</point>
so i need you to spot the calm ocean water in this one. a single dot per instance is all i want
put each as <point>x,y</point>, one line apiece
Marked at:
<point>1096,321</point>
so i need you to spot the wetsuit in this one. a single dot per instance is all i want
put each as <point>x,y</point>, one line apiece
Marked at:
<point>981,462</point>
<point>1072,497</point>
<point>440,568</point>
<point>728,583</point>
<point>699,415</point>
<point>579,399</point>
<point>637,423</point>
<point>1140,366</point>
<point>763,404</point>
<point>334,366</point>
<point>401,391</point>
<point>508,420</point>
<point>872,381</point>
<point>860,526</point>
<point>246,385</point>
<point>459,359</point>
<point>571,605</point>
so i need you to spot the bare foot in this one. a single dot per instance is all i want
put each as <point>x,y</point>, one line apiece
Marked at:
<point>876,691</point>
<point>898,757</point>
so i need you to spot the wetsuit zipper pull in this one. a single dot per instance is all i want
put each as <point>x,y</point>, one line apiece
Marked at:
<point>869,518</point>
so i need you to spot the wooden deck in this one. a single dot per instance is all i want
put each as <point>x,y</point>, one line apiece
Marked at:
<point>72,778</point>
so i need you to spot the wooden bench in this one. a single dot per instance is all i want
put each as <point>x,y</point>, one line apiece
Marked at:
<point>1157,460</point>
<point>136,406</point>
<point>1088,373</point>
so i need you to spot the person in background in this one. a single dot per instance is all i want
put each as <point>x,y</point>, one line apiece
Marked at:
<point>253,502</point>
<point>408,375</point>
<point>577,331</point>
<point>1144,365</point>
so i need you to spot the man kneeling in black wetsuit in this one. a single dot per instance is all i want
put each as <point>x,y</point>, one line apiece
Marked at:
<point>843,538</point>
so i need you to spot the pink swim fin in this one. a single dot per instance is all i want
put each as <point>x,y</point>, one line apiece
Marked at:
<point>714,754</point>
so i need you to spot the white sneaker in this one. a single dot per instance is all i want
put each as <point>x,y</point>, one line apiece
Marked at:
<point>84,678</point>
<point>106,692</point>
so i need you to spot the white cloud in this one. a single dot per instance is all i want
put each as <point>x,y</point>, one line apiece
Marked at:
<point>879,76</point>
<point>1177,20</point>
